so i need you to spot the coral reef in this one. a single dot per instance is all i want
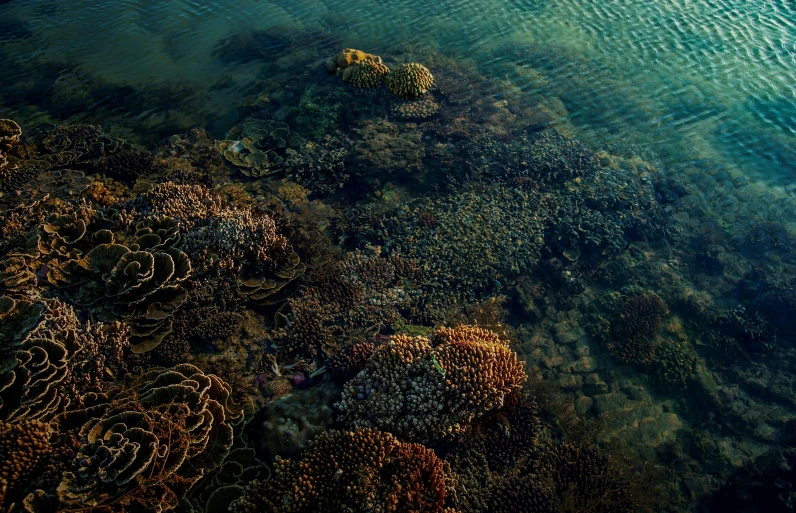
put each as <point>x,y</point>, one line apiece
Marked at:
<point>415,110</point>
<point>409,81</point>
<point>145,446</point>
<point>258,147</point>
<point>368,74</point>
<point>353,297</point>
<point>585,480</point>
<point>25,448</point>
<point>349,359</point>
<point>355,471</point>
<point>343,63</point>
<point>470,242</point>
<point>631,329</point>
<point>429,388</point>
<point>291,422</point>
<point>217,490</point>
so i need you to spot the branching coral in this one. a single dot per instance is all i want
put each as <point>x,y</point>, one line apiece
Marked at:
<point>349,359</point>
<point>470,242</point>
<point>145,446</point>
<point>508,438</point>
<point>587,480</point>
<point>421,389</point>
<point>633,326</point>
<point>352,471</point>
<point>350,299</point>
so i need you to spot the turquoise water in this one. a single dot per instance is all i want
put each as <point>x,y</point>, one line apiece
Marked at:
<point>683,219</point>
<point>693,79</point>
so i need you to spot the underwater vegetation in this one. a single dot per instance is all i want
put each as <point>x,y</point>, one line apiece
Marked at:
<point>383,290</point>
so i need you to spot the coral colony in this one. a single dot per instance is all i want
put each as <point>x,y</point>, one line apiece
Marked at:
<point>420,309</point>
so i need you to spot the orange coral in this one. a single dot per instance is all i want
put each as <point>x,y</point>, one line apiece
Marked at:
<point>352,472</point>
<point>422,388</point>
<point>24,449</point>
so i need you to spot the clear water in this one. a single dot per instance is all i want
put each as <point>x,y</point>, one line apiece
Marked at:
<point>693,79</point>
<point>705,90</point>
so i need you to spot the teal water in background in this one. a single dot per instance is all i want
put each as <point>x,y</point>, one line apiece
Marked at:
<point>694,79</point>
<point>689,106</point>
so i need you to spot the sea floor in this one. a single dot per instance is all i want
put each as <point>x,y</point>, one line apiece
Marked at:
<point>522,273</point>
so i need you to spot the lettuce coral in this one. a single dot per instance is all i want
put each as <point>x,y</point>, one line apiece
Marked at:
<point>146,445</point>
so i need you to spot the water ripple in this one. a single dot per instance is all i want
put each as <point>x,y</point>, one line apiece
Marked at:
<point>673,70</point>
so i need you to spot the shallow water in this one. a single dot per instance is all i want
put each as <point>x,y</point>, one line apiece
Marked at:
<point>694,79</point>
<point>693,102</point>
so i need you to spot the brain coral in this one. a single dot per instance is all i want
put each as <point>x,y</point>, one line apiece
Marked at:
<point>367,74</point>
<point>428,388</point>
<point>145,446</point>
<point>409,81</point>
<point>354,472</point>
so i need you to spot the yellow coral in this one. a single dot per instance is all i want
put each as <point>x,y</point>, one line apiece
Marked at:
<point>368,74</point>
<point>348,57</point>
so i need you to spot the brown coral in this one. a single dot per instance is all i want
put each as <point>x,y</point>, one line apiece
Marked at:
<point>24,451</point>
<point>54,358</point>
<point>147,445</point>
<point>586,480</point>
<point>127,165</point>
<point>524,494</point>
<point>421,388</point>
<point>351,299</point>
<point>637,318</point>
<point>67,145</point>
<point>347,58</point>
<point>419,109</point>
<point>352,471</point>
<point>10,132</point>
<point>188,203</point>
<point>508,437</point>
<point>143,288</point>
<point>368,74</point>
<point>409,81</point>
<point>258,147</point>
<point>348,360</point>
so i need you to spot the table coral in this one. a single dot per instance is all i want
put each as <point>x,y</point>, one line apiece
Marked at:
<point>352,471</point>
<point>429,388</point>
